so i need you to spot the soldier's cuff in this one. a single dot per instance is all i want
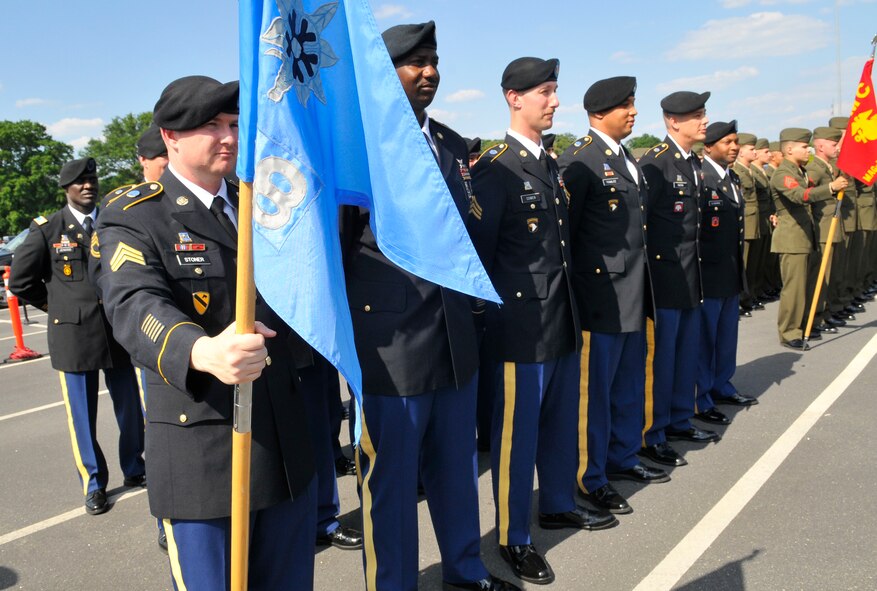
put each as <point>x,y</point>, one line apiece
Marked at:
<point>175,352</point>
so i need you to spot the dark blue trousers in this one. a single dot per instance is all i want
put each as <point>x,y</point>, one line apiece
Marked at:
<point>315,388</point>
<point>281,548</point>
<point>397,431</point>
<point>611,407</point>
<point>141,386</point>
<point>717,361</point>
<point>534,426</point>
<point>486,398</point>
<point>672,372</point>
<point>79,390</point>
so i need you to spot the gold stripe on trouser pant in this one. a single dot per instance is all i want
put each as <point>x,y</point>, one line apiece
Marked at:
<point>368,530</point>
<point>650,379</point>
<point>173,554</point>
<point>799,277</point>
<point>141,384</point>
<point>583,408</point>
<point>505,449</point>
<point>77,458</point>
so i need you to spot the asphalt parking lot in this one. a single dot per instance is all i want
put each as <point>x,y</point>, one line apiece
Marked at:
<point>783,502</point>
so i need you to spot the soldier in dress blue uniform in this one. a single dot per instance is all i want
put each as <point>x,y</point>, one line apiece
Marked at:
<point>520,226</point>
<point>608,231</point>
<point>723,271</point>
<point>418,351</point>
<point>676,190</point>
<point>50,272</point>
<point>168,276</point>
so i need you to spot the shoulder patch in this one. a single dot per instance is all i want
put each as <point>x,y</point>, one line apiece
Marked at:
<point>494,152</point>
<point>131,195</point>
<point>582,143</point>
<point>40,220</point>
<point>659,149</point>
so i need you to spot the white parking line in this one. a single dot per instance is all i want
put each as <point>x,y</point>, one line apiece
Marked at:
<point>674,566</point>
<point>20,363</point>
<point>21,413</point>
<point>24,335</point>
<point>63,517</point>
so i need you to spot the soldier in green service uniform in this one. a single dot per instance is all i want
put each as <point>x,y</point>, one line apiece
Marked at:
<point>795,235</point>
<point>769,157</point>
<point>821,173</point>
<point>753,239</point>
<point>767,282</point>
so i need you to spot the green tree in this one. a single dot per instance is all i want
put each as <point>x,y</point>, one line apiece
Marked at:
<point>563,141</point>
<point>645,140</point>
<point>30,161</point>
<point>116,153</point>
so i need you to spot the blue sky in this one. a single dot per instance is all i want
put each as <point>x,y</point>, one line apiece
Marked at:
<point>770,64</point>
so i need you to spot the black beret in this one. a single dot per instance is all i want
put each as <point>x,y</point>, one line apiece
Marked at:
<point>683,102</point>
<point>403,39</point>
<point>75,169</point>
<point>150,145</point>
<point>611,92</point>
<point>548,140</point>
<point>718,130</point>
<point>192,101</point>
<point>526,72</point>
<point>474,145</point>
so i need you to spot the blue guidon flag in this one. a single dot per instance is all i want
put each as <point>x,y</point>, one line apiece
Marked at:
<point>324,122</point>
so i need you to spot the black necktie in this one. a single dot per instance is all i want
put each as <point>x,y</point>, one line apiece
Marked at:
<point>87,225</point>
<point>217,208</point>
<point>694,169</point>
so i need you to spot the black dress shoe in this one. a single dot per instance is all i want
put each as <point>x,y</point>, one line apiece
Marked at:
<point>844,315</point>
<point>736,400</point>
<point>606,497</point>
<point>713,416</point>
<point>345,467</point>
<point>815,335</point>
<point>745,314</point>
<point>96,502</point>
<point>854,309</point>
<point>578,518</point>
<point>693,434</point>
<point>527,564</point>
<point>135,481</point>
<point>756,305</point>
<point>345,538</point>
<point>797,344</point>
<point>835,322</point>
<point>662,453</point>
<point>642,474</point>
<point>162,541</point>
<point>491,583</point>
<point>827,328</point>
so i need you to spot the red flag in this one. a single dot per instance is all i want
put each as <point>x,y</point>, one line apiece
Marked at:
<point>858,154</point>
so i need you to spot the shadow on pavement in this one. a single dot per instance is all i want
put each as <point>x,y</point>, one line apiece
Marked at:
<point>727,578</point>
<point>757,376</point>
<point>8,577</point>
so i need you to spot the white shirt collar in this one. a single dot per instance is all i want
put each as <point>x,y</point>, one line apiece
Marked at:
<point>532,147</point>
<point>80,217</point>
<point>685,154</point>
<point>203,195</point>
<point>612,144</point>
<point>722,171</point>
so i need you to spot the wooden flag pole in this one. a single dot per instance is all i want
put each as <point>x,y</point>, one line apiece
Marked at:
<point>245,320</point>
<point>826,262</point>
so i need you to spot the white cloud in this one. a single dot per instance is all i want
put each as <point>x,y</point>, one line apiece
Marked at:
<point>464,96</point>
<point>716,81</point>
<point>741,3</point>
<point>80,142</point>
<point>32,102</point>
<point>385,11</point>
<point>757,35</point>
<point>623,57</point>
<point>444,116</point>
<point>73,126</point>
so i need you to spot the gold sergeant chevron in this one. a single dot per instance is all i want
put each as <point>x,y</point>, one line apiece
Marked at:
<point>125,254</point>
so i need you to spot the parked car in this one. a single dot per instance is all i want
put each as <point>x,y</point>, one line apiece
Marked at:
<point>6,253</point>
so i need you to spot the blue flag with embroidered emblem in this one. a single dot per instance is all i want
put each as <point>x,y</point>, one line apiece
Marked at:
<point>325,122</point>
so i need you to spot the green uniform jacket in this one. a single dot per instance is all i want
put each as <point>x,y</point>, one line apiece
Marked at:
<point>792,194</point>
<point>751,227</point>
<point>865,205</point>
<point>765,203</point>
<point>821,174</point>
